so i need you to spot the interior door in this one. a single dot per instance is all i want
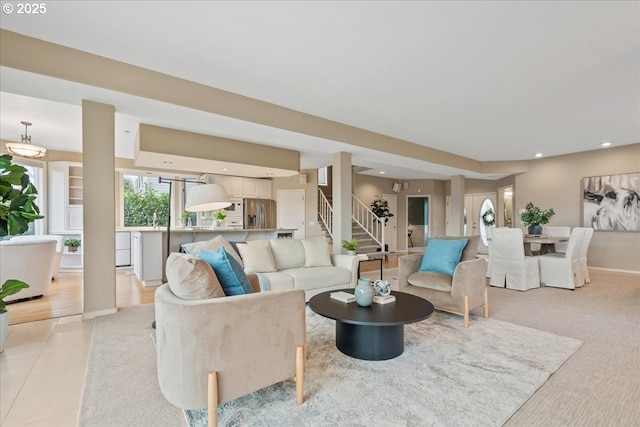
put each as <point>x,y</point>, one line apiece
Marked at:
<point>291,211</point>
<point>391,231</point>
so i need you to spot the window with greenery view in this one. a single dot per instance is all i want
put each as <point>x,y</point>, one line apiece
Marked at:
<point>144,196</point>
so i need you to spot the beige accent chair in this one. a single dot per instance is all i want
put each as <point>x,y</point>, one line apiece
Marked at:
<point>212,351</point>
<point>584,248</point>
<point>55,266</point>
<point>509,265</point>
<point>30,261</point>
<point>465,291</point>
<point>563,270</point>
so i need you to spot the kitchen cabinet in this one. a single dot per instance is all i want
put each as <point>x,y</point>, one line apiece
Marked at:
<point>147,256</point>
<point>123,248</point>
<point>264,188</point>
<point>65,197</point>
<point>239,187</point>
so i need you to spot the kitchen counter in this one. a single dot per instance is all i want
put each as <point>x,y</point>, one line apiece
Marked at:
<point>149,245</point>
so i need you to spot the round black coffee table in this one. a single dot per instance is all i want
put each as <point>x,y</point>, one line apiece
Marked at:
<point>375,332</point>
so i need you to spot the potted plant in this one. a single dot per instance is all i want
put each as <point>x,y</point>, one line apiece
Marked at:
<point>186,218</point>
<point>72,244</point>
<point>17,209</point>
<point>380,207</point>
<point>220,216</point>
<point>350,245</point>
<point>534,218</point>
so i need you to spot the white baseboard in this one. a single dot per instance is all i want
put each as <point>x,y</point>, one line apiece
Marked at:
<point>616,270</point>
<point>93,314</point>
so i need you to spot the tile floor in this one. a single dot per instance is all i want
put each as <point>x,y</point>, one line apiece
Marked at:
<point>42,372</point>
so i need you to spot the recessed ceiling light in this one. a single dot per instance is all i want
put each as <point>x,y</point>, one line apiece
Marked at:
<point>382,172</point>
<point>538,154</point>
<point>225,169</point>
<point>606,144</point>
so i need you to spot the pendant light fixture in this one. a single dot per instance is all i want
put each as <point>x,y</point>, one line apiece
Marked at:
<point>26,148</point>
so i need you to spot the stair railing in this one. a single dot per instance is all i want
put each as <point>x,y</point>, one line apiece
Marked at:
<point>372,224</point>
<point>325,212</point>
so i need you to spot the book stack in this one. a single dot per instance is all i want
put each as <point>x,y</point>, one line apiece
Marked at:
<point>384,300</point>
<point>343,296</point>
<point>363,257</point>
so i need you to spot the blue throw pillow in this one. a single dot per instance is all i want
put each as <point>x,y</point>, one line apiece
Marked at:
<point>228,271</point>
<point>442,256</point>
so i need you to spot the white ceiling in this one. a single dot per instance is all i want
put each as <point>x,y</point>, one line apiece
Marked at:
<point>485,80</point>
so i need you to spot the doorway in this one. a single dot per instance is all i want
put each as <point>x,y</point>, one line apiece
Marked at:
<point>290,210</point>
<point>391,230</point>
<point>417,222</point>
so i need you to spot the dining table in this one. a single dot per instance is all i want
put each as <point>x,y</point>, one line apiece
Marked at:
<point>547,243</point>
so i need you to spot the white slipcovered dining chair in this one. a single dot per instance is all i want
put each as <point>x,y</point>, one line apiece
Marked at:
<point>508,262</point>
<point>562,270</point>
<point>586,241</point>
<point>560,247</point>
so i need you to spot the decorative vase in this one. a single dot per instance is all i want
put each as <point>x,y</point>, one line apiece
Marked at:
<point>535,229</point>
<point>364,292</point>
<point>351,252</point>
<point>73,249</point>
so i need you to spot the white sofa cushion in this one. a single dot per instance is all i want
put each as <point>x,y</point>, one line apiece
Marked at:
<point>257,258</point>
<point>191,278</point>
<point>316,252</point>
<point>212,245</point>
<point>318,277</point>
<point>278,281</point>
<point>287,253</point>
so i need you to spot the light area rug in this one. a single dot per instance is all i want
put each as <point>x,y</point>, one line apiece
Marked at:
<point>447,376</point>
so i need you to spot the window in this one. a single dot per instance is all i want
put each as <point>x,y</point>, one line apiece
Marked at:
<point>322,176</point>
<point>143,197</point>
<point>35,170</point>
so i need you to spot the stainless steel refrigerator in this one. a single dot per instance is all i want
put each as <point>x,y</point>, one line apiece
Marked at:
<point>259,213</point>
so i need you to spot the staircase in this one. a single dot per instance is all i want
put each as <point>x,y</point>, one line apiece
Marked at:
<point>365,225</point>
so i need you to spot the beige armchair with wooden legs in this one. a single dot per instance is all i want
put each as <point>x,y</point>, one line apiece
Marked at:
<point>458,294</point>
<point>213,351</point>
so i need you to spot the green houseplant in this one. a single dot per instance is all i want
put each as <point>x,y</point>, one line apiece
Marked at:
<point>17,209</point>
<point>380,207</point>
<point>72,244</point>
<point>533,217</point>
<point>350,245</point>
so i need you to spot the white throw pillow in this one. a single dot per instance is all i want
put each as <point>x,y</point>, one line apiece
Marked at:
<point>316,252</point>
<point>191,278</point>
<point>211,245</point>
<point>257,258</point>
<point>287,253</point>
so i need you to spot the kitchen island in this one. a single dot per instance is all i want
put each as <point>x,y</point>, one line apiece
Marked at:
<point>149,253</point>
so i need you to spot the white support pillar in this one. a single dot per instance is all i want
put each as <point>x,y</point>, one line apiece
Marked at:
<point>457,205</point>
<point>342,189</point>
<point>99,241</point>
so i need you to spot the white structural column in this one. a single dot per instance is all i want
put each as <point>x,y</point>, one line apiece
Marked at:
<point>99,246</point>
<point>457,206</point>
<point>342,189</point>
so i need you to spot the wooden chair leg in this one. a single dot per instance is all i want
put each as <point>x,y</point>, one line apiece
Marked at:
<point>466,311</point>
<point>300,356</point>
<point>486,303</point>
<point>212,399</point>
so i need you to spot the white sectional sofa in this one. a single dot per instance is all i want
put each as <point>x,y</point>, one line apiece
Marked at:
<point>290,263</point>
